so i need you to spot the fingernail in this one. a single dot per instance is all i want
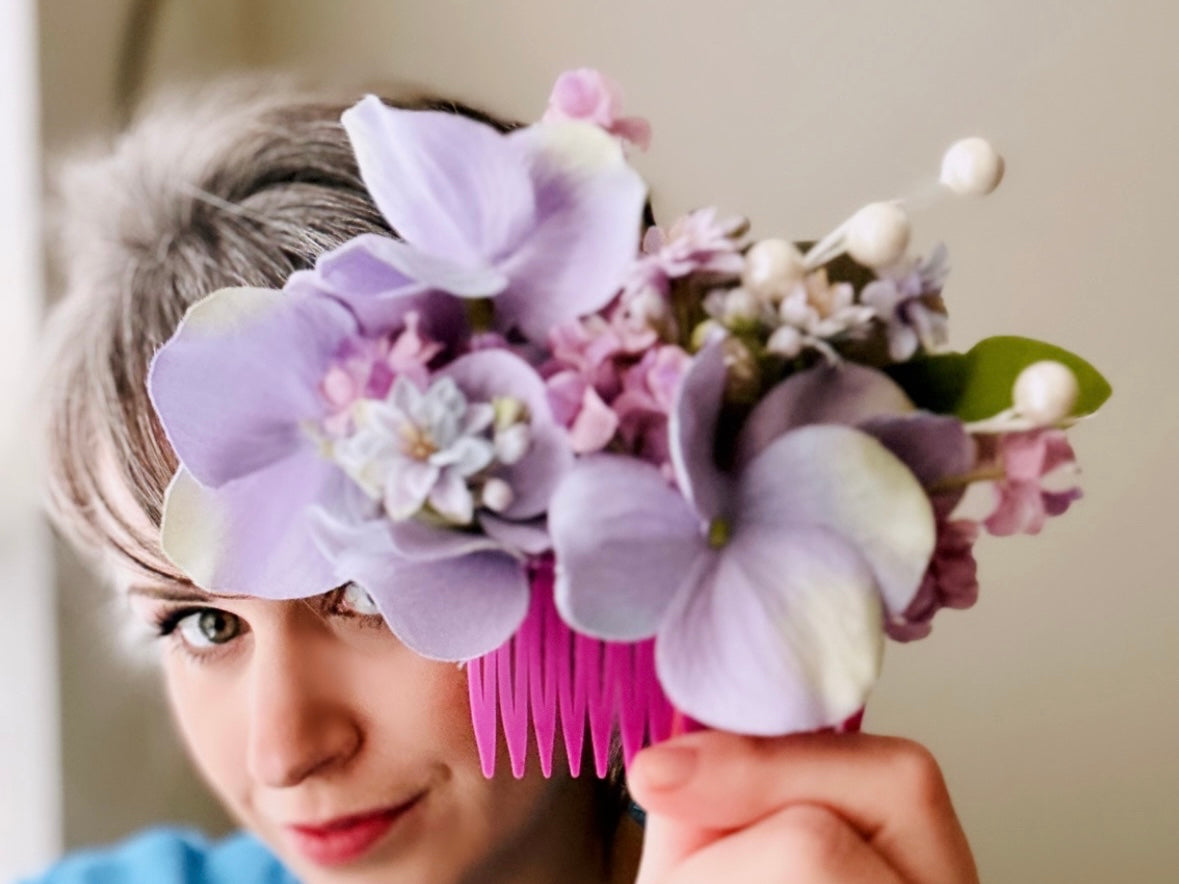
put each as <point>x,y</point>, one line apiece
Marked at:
<point>668,767</point>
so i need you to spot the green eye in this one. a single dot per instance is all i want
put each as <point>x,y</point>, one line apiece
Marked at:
<point>209,627</point>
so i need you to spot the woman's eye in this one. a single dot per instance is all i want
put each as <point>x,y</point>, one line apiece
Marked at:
<point>356,599</point>
<point>209,627</point>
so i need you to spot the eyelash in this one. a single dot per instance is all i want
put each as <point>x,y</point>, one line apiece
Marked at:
<point>167,621</point>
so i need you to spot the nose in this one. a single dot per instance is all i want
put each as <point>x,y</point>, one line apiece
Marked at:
<point>301,723</point>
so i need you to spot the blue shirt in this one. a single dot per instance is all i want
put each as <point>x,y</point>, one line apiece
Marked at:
<point>171,856</point>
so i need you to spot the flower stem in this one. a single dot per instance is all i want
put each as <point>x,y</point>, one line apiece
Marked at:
<point>989,473</point>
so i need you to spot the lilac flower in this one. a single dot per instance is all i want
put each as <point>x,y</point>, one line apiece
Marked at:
<point>1023,504</point>
<point>418,447</point>
<point>697,242</point>
<point>262,506</point>
<point>951,581</point>
<point>814,313</point>
<point>646,401</point>
<point>367,366</point>
<point>586,94</point>
<point>766,589</point>
<point>544,220</point>
<point>910,305</point>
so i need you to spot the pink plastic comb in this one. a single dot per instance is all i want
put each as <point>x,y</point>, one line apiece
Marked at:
<point>546,674</point>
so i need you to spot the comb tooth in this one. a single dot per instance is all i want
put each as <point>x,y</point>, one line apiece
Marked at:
<point>513,704</point>
<point>541,673</point>
<point>547,672</point>
<point>589,666</point>
<point>633,708</point>
<point>573,699</point>
<point>481,690</point>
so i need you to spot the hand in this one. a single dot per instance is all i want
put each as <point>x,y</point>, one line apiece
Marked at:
<point>802,809</point>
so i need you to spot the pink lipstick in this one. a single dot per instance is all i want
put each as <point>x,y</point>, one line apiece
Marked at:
<point>342,840</point>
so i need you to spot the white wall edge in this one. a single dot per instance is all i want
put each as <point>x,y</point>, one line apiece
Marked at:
<point>30,766</point>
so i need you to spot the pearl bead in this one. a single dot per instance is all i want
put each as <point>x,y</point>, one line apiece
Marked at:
<point>772,268</point>
<point>741,305</point>
<point>497,495</point>
<point>1045,392</point>
<point>972,167</point>
<point>878,234</point>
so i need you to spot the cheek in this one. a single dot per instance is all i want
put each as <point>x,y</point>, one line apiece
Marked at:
<point>209,715</point>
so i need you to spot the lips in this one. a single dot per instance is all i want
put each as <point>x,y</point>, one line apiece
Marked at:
<point>345,839</point>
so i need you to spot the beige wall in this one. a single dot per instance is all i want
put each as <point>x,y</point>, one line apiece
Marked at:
<point>1051,704</point>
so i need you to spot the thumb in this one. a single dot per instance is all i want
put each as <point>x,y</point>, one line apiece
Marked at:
<point>667,841</point>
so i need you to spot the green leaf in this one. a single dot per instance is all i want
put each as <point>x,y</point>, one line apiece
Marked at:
<point>977,385</point>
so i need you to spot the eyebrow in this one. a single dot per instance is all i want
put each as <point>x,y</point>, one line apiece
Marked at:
<point>179,594</point>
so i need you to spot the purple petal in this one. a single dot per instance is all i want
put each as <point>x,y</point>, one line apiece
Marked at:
<point>827,394</point>
<point>585,236</point>
<point>240,374</point>
<point>451,186</point>
<point>529,538</point>
<point>486,374</point>
<point>780,633</point>
<point>692,432</point>
<point>844,480</point>
<point>253,535</point>
<point>934,447</point>
<point>382,279</point>
<point>624,541</point>
<point>452,609</point>
<point>416,541</point>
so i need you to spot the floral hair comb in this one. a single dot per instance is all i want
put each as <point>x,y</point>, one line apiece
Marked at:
<point>634,482</point>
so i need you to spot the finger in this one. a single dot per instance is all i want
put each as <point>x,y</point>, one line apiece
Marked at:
<point>891,791</point>
<point>666,842</point>
<point>800,844</point>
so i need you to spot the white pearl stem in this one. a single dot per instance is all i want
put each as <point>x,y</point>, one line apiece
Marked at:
<point>827,249</point>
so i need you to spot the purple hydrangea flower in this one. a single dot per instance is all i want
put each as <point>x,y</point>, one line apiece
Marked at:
<point>545,220</point>
<point>277,498</point>
<point>766,589</point>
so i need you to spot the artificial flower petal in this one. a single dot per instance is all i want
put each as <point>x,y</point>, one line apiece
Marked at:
<point>524,538</point>
<point>586,231</point>
<point>624,540</point>
<point>382,280</point>
<point>844,393</point>
<point>933,446</point>
<point>486,375</point>
<point>451,609</point>
<point>418,541</point>
<point>253,535</point>
<point>449,185</point>
<point>692,431</point>
<point>782,633</point>
<point>235,383</point>
<point>844,480</point>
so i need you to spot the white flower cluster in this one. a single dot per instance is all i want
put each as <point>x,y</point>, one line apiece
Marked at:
<point>433,449</point>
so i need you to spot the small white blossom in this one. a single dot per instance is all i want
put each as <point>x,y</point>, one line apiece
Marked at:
<point>816,312</point>
<point>416,448</point>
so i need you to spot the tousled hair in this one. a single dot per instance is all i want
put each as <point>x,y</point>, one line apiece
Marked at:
<point>239,184</point>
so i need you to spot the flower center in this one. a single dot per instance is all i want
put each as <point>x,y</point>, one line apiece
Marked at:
<point>416,442</point>
<point>719,531</point>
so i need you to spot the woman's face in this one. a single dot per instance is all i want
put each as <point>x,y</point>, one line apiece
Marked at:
<point>349,754</point>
